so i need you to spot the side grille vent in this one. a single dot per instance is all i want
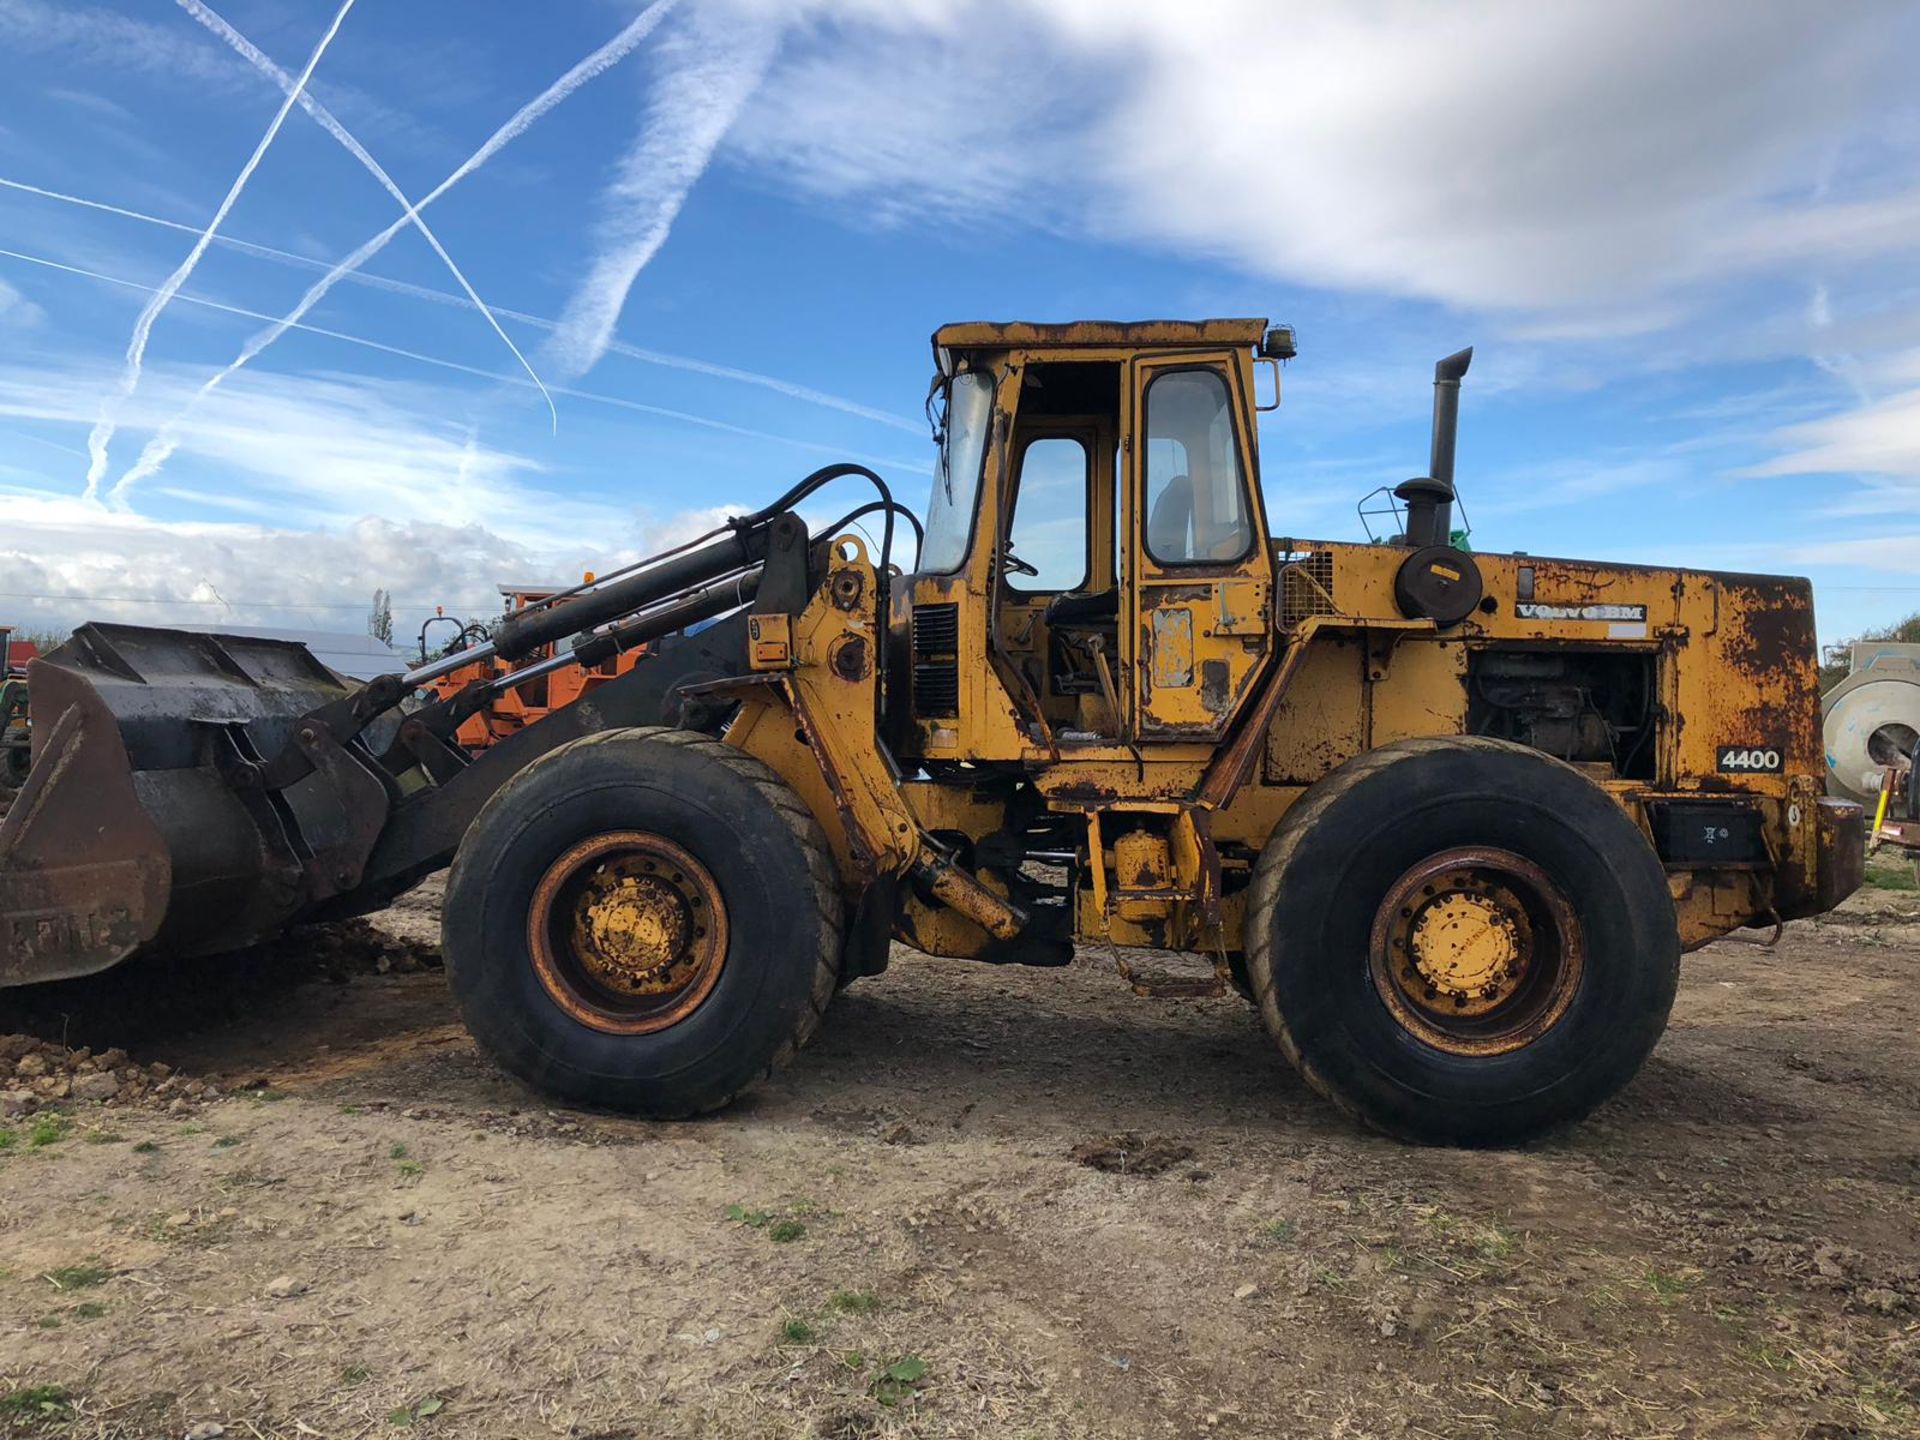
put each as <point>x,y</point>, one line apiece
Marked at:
<point>936,661</point>
<point>1306,586</point>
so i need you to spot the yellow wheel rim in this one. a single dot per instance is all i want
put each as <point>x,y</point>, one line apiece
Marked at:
<point>1476,951</point>
<point>627,932</point>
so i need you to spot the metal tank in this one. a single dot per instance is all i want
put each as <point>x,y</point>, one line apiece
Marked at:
<point>1871,719</point>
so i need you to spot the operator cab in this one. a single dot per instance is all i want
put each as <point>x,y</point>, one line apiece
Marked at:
<point>1099,483</point>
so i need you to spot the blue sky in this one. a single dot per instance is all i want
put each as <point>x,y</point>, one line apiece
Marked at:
<point>1683,241</point>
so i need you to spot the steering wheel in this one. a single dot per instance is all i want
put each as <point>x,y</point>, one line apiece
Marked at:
<point>1014,563</point>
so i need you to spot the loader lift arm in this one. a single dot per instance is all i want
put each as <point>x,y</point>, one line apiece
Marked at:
<point>199,793</point>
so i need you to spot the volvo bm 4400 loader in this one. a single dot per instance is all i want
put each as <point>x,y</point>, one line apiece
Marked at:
<point>1447,820</point>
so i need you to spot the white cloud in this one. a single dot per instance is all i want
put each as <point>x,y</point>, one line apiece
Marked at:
<point>104,41</point>
<point>1878,439</point>
<point>16,311</point>
<point>1554,484</point>
<point>146,571</point>
<point>64,560</point>
<point>911,118</point>
<point>1882,438</point>
<point>777,384</point>
<point>99,441</point>
<point>101,38</point>
<point>1878,552</point>
<point>1504,154</point>
<point>324,487</point>
<point>328,449</point>
<point>708,65</point>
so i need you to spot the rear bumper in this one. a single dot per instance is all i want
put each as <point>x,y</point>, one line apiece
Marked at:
<point>1841,862</point>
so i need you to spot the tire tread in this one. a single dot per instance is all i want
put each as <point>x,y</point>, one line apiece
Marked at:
<point>806,832</point>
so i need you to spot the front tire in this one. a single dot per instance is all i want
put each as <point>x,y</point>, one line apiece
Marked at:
<point>1462,941</point>
<point>646,919</point>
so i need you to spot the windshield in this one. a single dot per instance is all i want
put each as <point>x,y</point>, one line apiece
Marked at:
<point>956,478</point>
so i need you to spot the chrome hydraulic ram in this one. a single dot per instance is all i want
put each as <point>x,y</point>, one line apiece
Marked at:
<point>729,593</point>
<point>521,634</point>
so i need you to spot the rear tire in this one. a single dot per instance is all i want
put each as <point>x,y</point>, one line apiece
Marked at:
<point>646,919</point>
<point>1462,941</point>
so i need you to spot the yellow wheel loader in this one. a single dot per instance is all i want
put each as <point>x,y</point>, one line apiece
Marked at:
<point>1447,820</point>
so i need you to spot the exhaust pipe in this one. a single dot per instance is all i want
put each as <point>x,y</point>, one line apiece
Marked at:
<point>1437,582</point>
<point>1429,498</point>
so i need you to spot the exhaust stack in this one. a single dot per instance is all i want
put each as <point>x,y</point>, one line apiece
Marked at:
<point>1429,498</point>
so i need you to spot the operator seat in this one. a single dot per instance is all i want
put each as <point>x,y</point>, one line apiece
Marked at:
<point>1100,608</point>
<point>1170,524</point>
<point>1168,537</point>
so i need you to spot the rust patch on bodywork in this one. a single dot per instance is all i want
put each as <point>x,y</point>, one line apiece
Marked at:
<point>1216,686</point>
<point>1140,334</point>
<point>1768,643</point>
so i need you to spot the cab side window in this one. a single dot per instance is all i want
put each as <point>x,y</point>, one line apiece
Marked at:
<point>1196,504</point>
<point>1049,529</point>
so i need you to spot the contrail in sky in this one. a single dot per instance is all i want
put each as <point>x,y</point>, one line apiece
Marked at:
<point>708,72</point>
<point>446,297</point>
<point>103,428</point>
<point>600,61</point>
<point>248,51</point>
<point>706,422</point>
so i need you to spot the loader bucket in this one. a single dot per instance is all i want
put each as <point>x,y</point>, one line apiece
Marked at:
<point>138,826</point>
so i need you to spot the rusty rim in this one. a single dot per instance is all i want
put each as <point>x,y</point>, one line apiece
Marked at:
<point>628,932</point>
<point>1476,951</point>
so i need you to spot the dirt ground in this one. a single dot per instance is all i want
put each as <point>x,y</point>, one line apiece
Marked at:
<point>984,1203</point>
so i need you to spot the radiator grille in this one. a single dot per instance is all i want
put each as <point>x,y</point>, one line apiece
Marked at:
<point>1306,586</point>
<point>936,629</point>
<point>936,662</point>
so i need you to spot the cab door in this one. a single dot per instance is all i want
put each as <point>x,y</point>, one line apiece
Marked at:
<point>1200,595</point>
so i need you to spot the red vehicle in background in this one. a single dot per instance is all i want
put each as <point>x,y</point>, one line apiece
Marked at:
<point>14,655</point>
<point>511,711</point>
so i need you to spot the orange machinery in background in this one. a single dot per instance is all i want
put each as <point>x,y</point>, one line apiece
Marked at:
<point>513,710</point>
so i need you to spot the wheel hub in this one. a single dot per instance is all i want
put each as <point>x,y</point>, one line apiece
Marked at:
<point>1467,949</point>
<point>1476,951</point>
<point>627,932</point>
<point>631,932</point>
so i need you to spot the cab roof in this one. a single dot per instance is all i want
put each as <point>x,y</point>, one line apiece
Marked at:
<point>1127,334</point>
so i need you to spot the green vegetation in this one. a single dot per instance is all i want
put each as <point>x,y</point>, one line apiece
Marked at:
<point>898,1379</point>
<point>147,1147</point>
<point>853,1302</point>
<point>1496,1242</point>
<point>48,1129</point>
<point>796,1331</point>
<point>35,1403</point>
<point>88,1273</point>
<point>1669,1285</point>
<point>408,1415</point>
<point>1892,870</point>
<point>780,1231</point>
